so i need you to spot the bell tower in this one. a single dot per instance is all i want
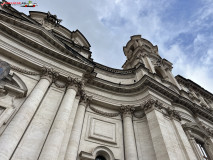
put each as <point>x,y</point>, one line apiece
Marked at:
<point>140,51</point>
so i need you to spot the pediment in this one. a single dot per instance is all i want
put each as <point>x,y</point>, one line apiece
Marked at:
<point>79,39</point>
<point>34,36</point>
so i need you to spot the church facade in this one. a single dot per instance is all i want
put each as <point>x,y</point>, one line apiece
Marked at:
<point>57,103</point>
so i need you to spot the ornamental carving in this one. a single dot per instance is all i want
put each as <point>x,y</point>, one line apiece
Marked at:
<point>75,82</point>
<point>159,63</point>
<point>24,71</point>
<point>127,109</point>
<point>173,113</point>
<point>84,98</point>
<point>53,19</point>
<point>103,113</point>
<point>49,73</point>
<point>152,103</point>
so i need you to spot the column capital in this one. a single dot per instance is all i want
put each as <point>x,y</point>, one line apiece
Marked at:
<point>74,83</point>
<point>151,104</point>
<point>85,100</point>
<point>49,74</point>
<point>173,114</point>
<point>127,110</point>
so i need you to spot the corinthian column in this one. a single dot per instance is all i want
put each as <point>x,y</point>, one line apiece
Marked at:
<point>13,133</point>
<point>74,141</point>
<point>129,136</point>
<point>54,141</point>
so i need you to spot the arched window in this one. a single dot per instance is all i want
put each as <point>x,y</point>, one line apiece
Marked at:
<point>100,158</point>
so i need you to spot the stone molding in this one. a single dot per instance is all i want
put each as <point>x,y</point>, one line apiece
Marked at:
<point>51,75</point>
<point>103,113</point>
<point>24,71</point>
<point>190,84</point>
<point>196,129</point>
<point>208,130</point>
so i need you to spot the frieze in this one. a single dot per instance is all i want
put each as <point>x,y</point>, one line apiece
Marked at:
<point>24,71</point>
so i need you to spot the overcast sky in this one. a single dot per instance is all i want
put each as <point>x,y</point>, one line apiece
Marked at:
<point>182,29</point>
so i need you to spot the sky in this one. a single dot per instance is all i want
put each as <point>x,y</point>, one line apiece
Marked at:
<point>182,30</point>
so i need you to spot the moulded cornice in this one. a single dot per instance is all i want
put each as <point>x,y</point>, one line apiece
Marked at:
<point>147,81</point>
<point>63,57</point>
<point>34,28</point>
<point>195,86</point>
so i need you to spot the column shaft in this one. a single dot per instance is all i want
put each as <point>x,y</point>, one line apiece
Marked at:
<point>129,139</point>
<point>74,141</point>
<point>68,130</point>
<point>129,136</point>
<point>55,138</point>
<point>13,133</point>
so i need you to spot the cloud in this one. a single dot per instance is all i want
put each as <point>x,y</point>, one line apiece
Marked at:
<point>181,29</point>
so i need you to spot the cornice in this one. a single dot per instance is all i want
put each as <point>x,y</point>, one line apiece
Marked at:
<point>61,56</point>
<point>113,70</point>
<point>147,81</point>
<point>33,28</point>
<point>189,83</point>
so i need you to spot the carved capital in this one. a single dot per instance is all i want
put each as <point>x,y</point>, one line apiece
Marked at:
<point>151,104</point>
<point>127,110</point>
<point>173,114</point>
<point>74,83</point>
<point>49,74</point>
<point>85,99</point>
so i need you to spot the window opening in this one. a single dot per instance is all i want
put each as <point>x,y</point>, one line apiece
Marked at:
<point>202,150</point>
<point>100,158</point>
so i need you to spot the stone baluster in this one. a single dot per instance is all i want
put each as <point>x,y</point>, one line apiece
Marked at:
<point>13,133</point>
<point>74,141</point>
<point>54,141</point>
<point>129,137</point>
